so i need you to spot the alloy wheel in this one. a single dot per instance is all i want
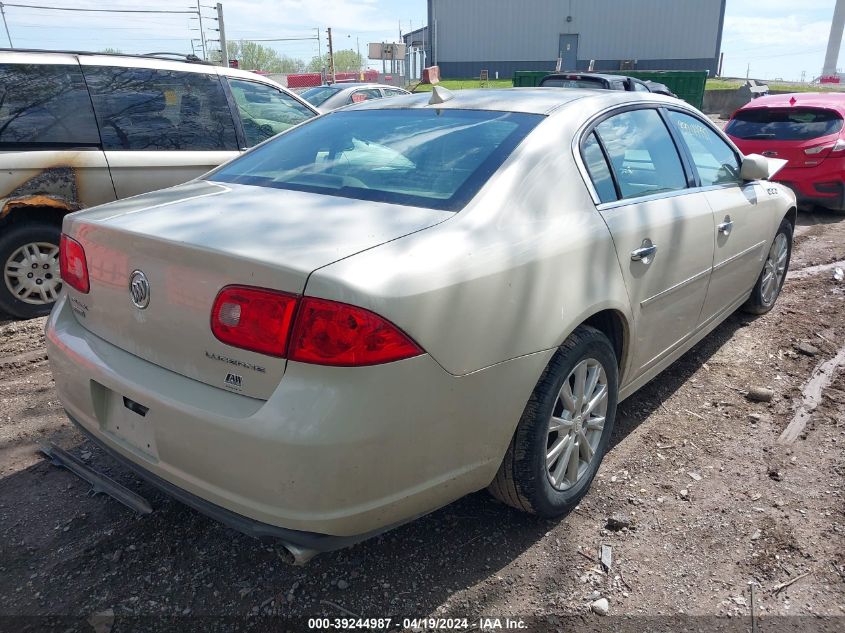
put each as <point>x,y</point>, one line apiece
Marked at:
<point>577,423</point>
<point>774,269</point>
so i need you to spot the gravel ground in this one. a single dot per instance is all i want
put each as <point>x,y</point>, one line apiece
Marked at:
<point>707,505</point>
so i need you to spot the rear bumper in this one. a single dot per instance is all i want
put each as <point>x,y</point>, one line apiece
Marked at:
<point>334,452</point>
<point>823,185</point>
<point>245,525</point>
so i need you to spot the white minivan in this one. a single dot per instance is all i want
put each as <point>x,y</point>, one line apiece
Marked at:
<point>81,129</point>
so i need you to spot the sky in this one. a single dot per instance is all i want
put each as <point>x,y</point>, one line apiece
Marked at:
<point>775,39</point>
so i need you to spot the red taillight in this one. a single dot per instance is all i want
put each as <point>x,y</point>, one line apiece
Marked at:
<point>332,333</point>
<point>253,318</point>
<point>72,264</point>
<point>322,332</point>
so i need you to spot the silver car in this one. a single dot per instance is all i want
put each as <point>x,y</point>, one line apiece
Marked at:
<point>81,129</point>
<point>402,302</point>
<point>330,97</point>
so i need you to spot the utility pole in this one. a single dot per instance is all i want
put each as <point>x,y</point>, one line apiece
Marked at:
<point>202,32</point>
<point>383,66</point>
<point>224,54</point>
<point>331,55</point>
<point>3,11</point>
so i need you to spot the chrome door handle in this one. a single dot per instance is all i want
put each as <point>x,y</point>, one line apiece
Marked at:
<point>726,226</point>
<point>644,253</point>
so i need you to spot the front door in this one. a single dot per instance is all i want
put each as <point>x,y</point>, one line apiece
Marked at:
<point>662,231</point>
<point>159,127</point>
<point>568,51</point>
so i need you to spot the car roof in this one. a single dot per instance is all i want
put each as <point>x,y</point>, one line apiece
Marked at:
<point>568,73</point>
<point>526,100</point>
<point>342,85</point>
<point>830,100</point>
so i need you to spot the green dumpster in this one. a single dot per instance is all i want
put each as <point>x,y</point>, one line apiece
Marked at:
<point>529,78</point>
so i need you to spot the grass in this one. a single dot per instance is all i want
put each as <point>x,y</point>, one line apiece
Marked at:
<point>461,84</point>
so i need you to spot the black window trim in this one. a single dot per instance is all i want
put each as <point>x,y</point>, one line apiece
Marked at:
<point>620,201</point>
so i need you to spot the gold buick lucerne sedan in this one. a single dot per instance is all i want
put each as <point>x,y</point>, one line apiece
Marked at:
<point>398,303</point>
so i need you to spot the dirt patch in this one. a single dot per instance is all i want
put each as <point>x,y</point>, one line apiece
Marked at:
<point>713,502</point>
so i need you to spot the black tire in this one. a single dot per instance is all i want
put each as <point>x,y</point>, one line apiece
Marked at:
<point>757,303</point>
<point>523,480</point>
<point>12,238</point>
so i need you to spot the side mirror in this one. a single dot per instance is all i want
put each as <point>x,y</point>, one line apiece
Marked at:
<point>754,167</point>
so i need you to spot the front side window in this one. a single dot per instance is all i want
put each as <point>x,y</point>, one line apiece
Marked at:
<point>437,159</point>
<point>265,111</point>
<point>642,153</point>
<point>364,95</point>
<point>784,124</point>
<point>148,109</point>
<point>45,106</point>
<point>598,169</point>
<point>714,160</point>
<point>640,87</point>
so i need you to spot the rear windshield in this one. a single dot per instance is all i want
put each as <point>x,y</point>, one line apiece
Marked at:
<point>784,124</point>
<point>319,95</point>
<point>573,83</point>
<point>419,157</point>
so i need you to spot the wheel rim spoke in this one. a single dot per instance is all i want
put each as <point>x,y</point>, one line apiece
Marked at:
<point>577,424</point>
<point>31,273</point>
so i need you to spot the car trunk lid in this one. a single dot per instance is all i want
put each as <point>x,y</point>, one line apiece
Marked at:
<point>191,241</point>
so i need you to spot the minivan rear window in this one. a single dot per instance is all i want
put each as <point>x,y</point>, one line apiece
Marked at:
<point>45,106</point>
<point>431,158</point>
<point>784,124</point>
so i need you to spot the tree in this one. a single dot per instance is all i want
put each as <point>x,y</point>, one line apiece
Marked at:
<point>111,51</point>
<point>344,62</point>
<point>254,56</point>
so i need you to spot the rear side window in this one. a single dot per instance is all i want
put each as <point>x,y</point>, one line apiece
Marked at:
<point>714,160</point>
<point>437,159</point>
<point>784,124</point>
<point>147,109</point>
<point>319,95</point>
<point>45,106</point>
<point>598,169</point>
<point>642,153</point>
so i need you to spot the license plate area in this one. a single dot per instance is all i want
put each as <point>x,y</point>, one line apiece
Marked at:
<point>125,420</point>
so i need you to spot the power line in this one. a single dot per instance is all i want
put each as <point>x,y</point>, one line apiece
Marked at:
<point>39,6</point>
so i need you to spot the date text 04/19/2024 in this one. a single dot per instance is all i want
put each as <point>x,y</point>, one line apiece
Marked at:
<point>425,624</point>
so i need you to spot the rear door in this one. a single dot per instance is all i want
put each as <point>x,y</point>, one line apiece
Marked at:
<point>159,126</point>
<point>662,230</point>
<point>742,222</point>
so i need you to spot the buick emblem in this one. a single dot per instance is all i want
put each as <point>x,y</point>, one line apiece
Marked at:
<point>139,289</point>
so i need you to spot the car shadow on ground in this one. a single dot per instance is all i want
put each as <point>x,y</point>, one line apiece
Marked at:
<point>75,554</point>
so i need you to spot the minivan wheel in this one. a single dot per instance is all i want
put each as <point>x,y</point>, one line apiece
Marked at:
<point>769,283</point>
<point>29,256</point>
<point>565,428</point>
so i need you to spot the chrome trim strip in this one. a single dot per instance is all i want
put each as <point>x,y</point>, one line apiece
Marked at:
<point>733,258</point>
<point>677,286</point>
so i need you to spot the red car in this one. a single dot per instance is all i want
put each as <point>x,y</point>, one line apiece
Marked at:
<point>806,129</point>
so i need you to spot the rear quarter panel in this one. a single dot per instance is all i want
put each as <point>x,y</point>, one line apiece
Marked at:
<point>514,273</point>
